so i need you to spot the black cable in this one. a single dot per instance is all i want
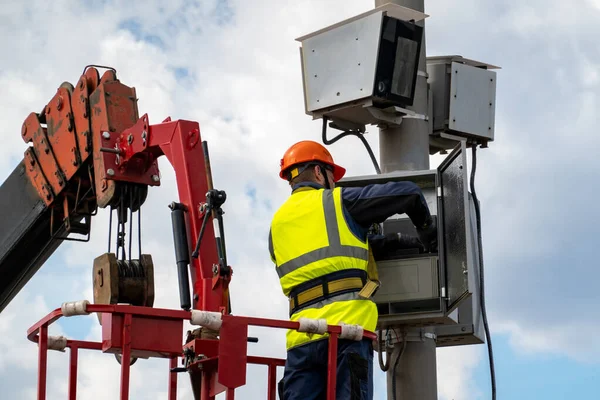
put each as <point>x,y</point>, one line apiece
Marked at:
<point>121,214</point>
<point>123,233</point>
<point>384,366</point>
<point>481,279</point>
<point>353,133</point>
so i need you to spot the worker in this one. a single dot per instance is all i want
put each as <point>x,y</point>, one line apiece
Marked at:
<point>318,242</point>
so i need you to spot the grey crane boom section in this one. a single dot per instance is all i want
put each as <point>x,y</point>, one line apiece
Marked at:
<point>25,238</point>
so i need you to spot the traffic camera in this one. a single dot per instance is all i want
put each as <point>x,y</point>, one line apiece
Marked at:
<point>354,69</point>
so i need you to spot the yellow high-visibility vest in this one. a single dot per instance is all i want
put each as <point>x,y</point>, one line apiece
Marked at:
<point>309,238</point>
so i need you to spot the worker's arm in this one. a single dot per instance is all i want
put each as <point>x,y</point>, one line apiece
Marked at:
<point>377,202</point>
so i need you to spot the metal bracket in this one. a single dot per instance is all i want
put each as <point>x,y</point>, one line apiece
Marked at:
<point>411,335</point>
<point>452,137</point>
<point>394,115</point>
<point>343,125</point>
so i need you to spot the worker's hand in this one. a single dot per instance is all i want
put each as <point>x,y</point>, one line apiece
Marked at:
<point>409,242</point>
<point>428,235</point>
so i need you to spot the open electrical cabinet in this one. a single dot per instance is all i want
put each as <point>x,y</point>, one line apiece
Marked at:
<point>430,289</point>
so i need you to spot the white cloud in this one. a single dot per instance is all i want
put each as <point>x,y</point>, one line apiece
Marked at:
<point>594,3</point>
<point>16,352</point>
<point>589,74</point>
<point>455,370</point>
<point>18,364</point>
<point>537,18</point>
<point>544,341</point>
<point>24,93</point>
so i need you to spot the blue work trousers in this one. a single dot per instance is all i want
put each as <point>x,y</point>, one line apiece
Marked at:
<point>305,374</point>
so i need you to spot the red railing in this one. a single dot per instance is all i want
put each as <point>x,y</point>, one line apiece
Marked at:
<point>151,332</point>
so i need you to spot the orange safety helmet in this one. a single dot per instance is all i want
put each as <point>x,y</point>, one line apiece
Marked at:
<point>306,151</point>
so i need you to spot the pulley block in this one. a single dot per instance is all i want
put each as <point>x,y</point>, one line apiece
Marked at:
<point>123,281</point>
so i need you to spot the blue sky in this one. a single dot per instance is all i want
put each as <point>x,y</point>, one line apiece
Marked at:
<point>233,67</point>
<point>527,376</point>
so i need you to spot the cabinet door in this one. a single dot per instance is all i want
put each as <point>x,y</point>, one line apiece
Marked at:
<point>455,225</point>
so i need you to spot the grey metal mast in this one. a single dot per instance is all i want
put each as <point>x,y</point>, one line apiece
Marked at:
<point>407,148</point>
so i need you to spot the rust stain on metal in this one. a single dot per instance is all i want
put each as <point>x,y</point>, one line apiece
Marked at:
<point>81,119</point>
<point>61,139</point>
<point>93,78</point>
<point>60,135</point>
<point>35,134</point>
<point>37,178</point>
<point>105,187</point>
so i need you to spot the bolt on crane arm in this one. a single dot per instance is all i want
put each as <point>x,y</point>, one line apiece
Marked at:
<point>88,148</point>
